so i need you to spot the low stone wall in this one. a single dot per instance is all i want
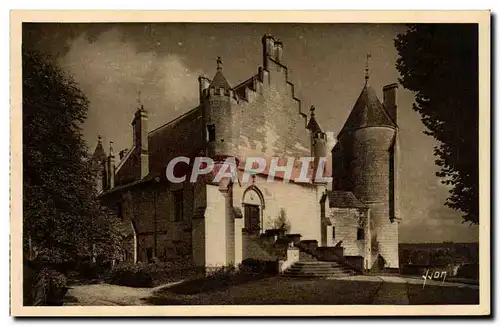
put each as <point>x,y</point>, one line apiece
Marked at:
<point>292,256</point>
<point>330,253</point>
<point>355,262</point>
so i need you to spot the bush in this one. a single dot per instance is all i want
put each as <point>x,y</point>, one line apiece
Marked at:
<point>149,275</point>
<point>470,271</point>
<point>133,275</point>
<point>43,287</point>
<point>255,266</point>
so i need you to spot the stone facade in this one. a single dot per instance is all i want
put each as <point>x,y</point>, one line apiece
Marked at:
<point>207,222</point>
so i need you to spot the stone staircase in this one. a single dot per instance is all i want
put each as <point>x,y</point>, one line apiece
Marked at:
<point>269,246</point>
<point>309,265</point>
<point>318,269</point>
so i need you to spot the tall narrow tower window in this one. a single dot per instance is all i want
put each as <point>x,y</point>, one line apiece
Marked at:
<point>392,176</point>
<point>360,234</point>
<point>211,132</point>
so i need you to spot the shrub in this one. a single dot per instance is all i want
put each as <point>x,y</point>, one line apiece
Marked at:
<point>43,286</point>
<point>255,266</point>
<point>149,275</point>
<point>133,275</point>
<point>470,271</point>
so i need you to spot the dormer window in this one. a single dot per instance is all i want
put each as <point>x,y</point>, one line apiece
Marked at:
<point>211,132</point>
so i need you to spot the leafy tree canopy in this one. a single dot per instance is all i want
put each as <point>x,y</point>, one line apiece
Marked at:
<point>62,219</point>
<point>439,63</point>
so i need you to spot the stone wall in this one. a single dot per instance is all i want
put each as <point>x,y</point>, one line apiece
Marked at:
<point>347,222</point>
<point>301,204</point>
<point>150,207</point>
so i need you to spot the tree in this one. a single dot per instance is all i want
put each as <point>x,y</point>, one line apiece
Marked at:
<point>281,222</point>
<point>439,63</point>
<point>62,219</point>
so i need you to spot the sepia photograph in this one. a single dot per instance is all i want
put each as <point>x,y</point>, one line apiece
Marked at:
<point>275,167</point>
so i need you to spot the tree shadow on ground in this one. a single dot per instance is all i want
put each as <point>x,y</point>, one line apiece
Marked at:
<point>211,284</point>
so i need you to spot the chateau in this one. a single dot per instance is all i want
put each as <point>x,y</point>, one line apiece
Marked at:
<point>353,219</point>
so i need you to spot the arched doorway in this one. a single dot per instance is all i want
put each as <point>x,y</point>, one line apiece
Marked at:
<point>253,226</point>
<point>253,206</point>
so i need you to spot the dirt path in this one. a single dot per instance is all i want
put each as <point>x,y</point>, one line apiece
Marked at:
<point>105,295</point>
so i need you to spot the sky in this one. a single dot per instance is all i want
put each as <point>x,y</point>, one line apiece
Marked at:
<point>116,65</point>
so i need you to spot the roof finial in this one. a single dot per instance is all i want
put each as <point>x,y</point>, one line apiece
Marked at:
<point>367,67</point>
<point>312,110</point>
<point>219,63</point>
<point>99,139</point>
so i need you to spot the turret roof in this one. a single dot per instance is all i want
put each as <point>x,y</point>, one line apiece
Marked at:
<point>313,125</point>
<point>99,153</point>
<point>219,80</point>
<point>368,112</point>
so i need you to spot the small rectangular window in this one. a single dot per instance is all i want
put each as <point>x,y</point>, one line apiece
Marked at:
<point>178,205</point>
<point>333,232</point>
<point>211,132</point>
<point>361,234</point>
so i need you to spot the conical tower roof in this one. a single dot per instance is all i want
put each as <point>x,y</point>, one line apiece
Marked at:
<point>99,153</point>
<point>219,80</point>
<point>368,112</point>
<point>313,125</point>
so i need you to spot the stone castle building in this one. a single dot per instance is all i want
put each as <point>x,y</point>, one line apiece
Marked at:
<point>223,223</point>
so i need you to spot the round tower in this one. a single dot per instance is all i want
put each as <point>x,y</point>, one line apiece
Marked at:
<point>218,105</point>
<point>318,143</point>
<point>368,141</point>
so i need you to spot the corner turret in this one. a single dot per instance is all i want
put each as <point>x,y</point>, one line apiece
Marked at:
<point>99,166</point>
<point>318,144</point>
<point>218,105</point>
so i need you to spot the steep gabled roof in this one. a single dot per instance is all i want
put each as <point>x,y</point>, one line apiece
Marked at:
<point>368,112</point>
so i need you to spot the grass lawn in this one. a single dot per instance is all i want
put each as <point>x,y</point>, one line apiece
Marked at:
<point>433,294</point>
<point>275,290</point>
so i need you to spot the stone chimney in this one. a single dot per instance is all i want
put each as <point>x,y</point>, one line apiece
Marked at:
<point>272,48</point>
<point>278,50</point>
<point>391,100</point>
<point>140,126</point>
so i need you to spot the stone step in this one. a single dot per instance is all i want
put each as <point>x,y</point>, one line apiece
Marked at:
<point>318,269</point>
<point>289,274</point>
<point>318,263</point>
<point>318,266</point>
